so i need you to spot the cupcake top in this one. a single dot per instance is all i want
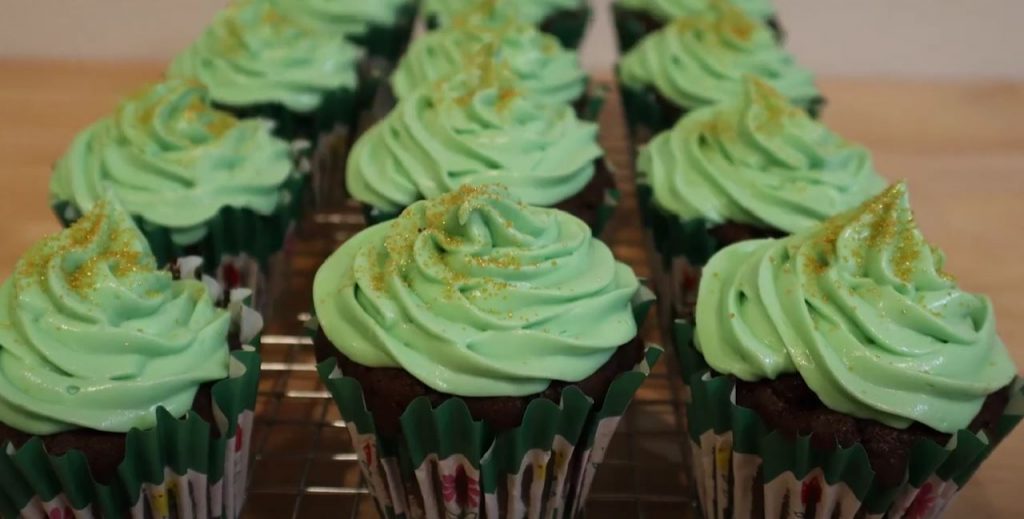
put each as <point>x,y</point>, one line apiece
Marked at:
<point>93,335</point>
<point>860,308</point>
<point>756,160</point>
<point>351,19</point>
<point>477,128</point>
<point>448,12</point>
<point>477,294</point>
<point>540,63</point>
<point>167,148</point>
<point>672,9</point>
<point>251,54</point>
<point>700,60</point>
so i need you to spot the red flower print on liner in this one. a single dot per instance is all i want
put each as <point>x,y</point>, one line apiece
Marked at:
<point>61,513</point>
<point>368,453</point>
<point>810,491</point>
<point>923,502</point>
<point>461,489</point>
<point>239,438</point>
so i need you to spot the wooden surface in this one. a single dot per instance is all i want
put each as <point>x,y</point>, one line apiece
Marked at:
<point>961,146</point>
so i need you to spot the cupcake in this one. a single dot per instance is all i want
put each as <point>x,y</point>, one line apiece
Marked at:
<point>565,19</point>
<point>701,60</point>
<point>125,388</point>
<point>168,148</point>
<point>257,62</point>
<point>635,19</point>
<point>753,167</point>
<point>477,128</point>
<point>540,64</point>
<point>840,372</point>
<point>383,27</point>
<point>481,352</point>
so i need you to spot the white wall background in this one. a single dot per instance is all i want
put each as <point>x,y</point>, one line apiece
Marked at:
<point>952,39</point>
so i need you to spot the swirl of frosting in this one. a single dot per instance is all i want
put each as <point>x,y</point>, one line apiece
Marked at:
<point>351,19</point>
<point>701,60</point>
<point>476,294</point>
<point>672,9</point>
<point>168,148</point>
<point>756,160</point>
<point>540,63</point>
<point>93,336</point>
<point>252,54</point>
<point>449,12</point>
<point>476,128</point>
<point>861,309</point>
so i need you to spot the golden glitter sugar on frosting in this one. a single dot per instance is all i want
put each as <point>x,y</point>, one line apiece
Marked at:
<point>725,19</point>
<point>119,256</point>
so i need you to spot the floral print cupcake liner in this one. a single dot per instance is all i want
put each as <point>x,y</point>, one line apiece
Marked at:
<point>177,469</point>
<point>445,464</point>
<point>742,468</point>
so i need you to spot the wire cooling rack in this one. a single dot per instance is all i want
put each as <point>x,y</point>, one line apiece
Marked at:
<point>304,465</point>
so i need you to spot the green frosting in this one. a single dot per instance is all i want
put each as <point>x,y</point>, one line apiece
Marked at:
<point>252,54</point>
<point>756,160</point>
<point>93,336</point>
<point>477,128</point>
<point>672,9</point>
<point>349,18</point>
<point>700,60</point>
<point>861,309</point>
<point>476,294</point>
<point>542,66</point>
<point>167,148</point>
<point>449,12</point>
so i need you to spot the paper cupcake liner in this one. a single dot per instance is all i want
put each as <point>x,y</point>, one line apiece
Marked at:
<point>175,470</point>
<point>568,26</point>
<point>742,468</point>
<point>447,465</point>
<point>238,245</point>
<point>389,41</point>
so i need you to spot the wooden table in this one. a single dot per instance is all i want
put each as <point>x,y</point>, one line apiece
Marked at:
<point>960,145</point>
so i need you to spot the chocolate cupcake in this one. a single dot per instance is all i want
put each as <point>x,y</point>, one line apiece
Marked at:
<point>635,19</point>
<point>840,372</point>
<point>120,394</point>
<point>479,339</point>
<point>540,64</point>
<point>748,168</point>
<point>381,27</point>
<point>257,62</point>
<point>565,19</point>
<point>701,60</point>
<point>480,127</point>
<point>167,148</point>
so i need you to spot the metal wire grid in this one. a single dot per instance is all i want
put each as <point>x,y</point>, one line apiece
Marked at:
<point>304,465</point>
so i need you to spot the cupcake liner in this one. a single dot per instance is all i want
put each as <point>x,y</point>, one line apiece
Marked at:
<point>568,26</point>
<point>743,468</point>
<point>445,464</point>
<point>389,41</point>
<point>177,469</point>
<point>237,244</point>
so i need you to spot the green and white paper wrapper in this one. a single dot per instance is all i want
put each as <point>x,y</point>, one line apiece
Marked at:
<point>241,247</point>
<point>742,468</point>
<point>174,470</point>
<point>447,465</point>
<point>389,41</point>
<point>589,109</point>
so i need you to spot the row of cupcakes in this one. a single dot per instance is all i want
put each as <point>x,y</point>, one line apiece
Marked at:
<point>162,426</point>
<point>833,369</point>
